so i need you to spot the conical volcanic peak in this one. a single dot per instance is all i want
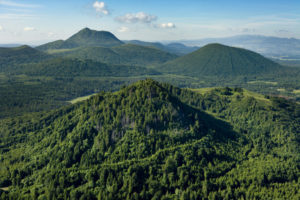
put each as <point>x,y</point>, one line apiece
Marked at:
<point>84,38</point>
<point>221,60</point>
<point>88,37</point>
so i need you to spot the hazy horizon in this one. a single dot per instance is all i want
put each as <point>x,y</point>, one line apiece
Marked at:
<point>36,22</point>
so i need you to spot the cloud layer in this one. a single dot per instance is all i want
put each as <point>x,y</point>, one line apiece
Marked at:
<point>139,17</point>
<point>167,25</point>
<point>100,7</point>
<point>1,28</point>
<point>123,29</point>
<point>29,29</point>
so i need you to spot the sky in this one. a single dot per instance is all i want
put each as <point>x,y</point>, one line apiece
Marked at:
<point>39,21</point>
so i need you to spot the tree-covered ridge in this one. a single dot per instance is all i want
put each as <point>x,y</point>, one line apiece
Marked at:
<point>124,54</point>
<point>155,141</point>
<point>20,55</point>
<point>64,67</point>
<point>221,60</point>
<point>140,55</point>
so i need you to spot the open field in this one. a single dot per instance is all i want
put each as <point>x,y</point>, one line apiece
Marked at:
<point>263,82</point>
<point>4,189</point>
<point>76,100</point>
<point>56,51</point>
<point>281,90</point>
<point>296,91</point>
<point>203,90</point>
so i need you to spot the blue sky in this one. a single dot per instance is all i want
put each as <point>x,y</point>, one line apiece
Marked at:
<point>38,21</point>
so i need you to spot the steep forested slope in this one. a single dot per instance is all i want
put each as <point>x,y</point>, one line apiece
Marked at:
<point>155,141</point>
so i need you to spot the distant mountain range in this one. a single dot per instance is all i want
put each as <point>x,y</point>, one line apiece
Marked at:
<point>284,49</point>
<point>268,46</point>
<point>91,38</point>
<point>103,46</point>
<point>175,48</point>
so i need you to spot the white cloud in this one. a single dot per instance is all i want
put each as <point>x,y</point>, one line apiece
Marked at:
<point>123,29</point>
<point>1,28</point>
<point>14,4</point>
<point>167,25</point>
<point>100,7</point>
<point>51,34</point>
<point>139,17</point>
<point>29,29</point>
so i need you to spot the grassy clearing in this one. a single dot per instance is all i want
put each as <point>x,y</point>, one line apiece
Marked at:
<point>296,91</point>
<point>31,83</point>
<point>203,90</point>
<point>76,100</point>
<point>256,96</point>
<point>263,82</point>
<point>281,90</point>
<point>56,51</point>
<point>246,93</point>
<point>3,77</point>
<point>4,189</point>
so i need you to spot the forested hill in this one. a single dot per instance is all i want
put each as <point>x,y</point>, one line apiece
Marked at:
<point>85,37</point>
<point>155,141</point>
<point>88,37</point>
<point>20,55</point>
<point>221,60</point>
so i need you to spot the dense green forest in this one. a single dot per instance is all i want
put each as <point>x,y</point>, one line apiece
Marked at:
<point>128,54</point>
<point>155,141</point>
<point>64,67</point>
